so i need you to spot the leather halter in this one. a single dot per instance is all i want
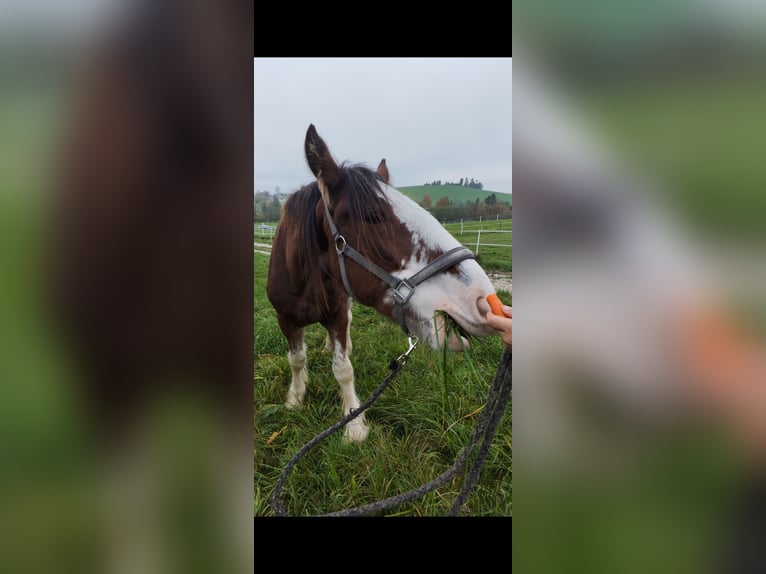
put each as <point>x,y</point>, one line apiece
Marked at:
<point>401,289</point>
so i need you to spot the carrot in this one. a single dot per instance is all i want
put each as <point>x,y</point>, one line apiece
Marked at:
<point>496,304</point>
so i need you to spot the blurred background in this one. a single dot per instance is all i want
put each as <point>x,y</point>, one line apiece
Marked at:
<point>125,286</point>
<point>125,156</point>
<point>640,303</point>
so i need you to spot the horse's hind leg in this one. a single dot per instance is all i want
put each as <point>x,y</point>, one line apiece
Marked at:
<point>296,356</point>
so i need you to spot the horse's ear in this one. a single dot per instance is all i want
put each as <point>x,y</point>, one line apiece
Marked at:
<point>383,170</point>
<point>320,161</point>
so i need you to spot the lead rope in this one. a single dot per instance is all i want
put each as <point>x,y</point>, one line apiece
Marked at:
<point>497,400</point>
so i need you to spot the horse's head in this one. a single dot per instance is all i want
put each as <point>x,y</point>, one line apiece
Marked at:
<point>395,256</point>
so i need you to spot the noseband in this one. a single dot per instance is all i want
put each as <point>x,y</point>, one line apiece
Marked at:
<point>401,289</point>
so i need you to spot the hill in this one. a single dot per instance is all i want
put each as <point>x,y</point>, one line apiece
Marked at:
<point>455,193</point>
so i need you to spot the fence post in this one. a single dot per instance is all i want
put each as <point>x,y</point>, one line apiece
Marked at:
<point>461,226</point>
<point>478,241</point>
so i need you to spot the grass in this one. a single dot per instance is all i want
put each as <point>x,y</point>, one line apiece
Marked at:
<point>418,425</point>
<point>703,138</point>
<point>493,232</point>
<point>46,489</point>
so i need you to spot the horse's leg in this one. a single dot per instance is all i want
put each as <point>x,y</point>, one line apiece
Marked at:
<point>356,430</point>
<point>296,356</point>
<point>328,344</point>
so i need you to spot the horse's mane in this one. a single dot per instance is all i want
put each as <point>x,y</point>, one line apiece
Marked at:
<point>371,209</point>
<point>368,208</point>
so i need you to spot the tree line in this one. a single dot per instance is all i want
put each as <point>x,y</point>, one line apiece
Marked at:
<point>267,207</point>
<point>444,209</point>
<point>474,183</point>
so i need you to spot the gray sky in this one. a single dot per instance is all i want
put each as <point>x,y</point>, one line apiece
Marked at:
<point>431,118</point>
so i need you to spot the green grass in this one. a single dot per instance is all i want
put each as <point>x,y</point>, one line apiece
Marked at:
<point>703,139</point>
<point>45,485</point>
<point>418,425</point>
<point>494,232</point>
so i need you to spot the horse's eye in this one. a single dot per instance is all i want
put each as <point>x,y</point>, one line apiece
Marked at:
<point>374,216</point>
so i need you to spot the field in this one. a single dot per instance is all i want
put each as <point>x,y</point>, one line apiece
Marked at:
<point>704,140</point>
<point>418,426</point>
<point>455,193</point>
<point>494,249</point>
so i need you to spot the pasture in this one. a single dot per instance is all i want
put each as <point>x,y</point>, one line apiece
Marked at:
<point>493,239</point>
<point>419,425</point>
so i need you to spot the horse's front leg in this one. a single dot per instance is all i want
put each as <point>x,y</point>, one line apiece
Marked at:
<point>328,343</point>
<point>356,430</point>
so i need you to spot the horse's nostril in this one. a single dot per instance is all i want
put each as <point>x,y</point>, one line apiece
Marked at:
<point>482,305</point>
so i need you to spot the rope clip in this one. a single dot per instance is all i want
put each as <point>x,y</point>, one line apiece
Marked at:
<point>412,342</point>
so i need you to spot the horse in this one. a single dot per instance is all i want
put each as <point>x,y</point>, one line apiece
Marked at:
<point>351,236</point>
<point>147,274</point>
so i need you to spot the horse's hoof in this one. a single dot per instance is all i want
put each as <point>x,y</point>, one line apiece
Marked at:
<point>293,402</point>
<point>356,431</point>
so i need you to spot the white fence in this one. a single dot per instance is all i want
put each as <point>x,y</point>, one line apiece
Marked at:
<point>265,231</point>
<point>467,227</point>
<point>479,243</point>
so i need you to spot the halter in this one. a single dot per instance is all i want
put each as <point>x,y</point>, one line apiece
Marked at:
<point>401,289</point>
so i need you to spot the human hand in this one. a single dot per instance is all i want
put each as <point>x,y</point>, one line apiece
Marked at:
<point>502,324</point>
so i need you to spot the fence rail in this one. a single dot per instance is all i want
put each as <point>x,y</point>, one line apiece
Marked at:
<point>477,245</point>
<point>467,227</point>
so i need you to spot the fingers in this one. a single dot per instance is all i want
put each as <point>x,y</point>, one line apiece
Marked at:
<point>503,325</point>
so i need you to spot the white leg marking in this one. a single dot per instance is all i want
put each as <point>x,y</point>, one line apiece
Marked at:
<point>328,345</point>
<point>297,360</point>
<point>348,328</point>
<point>356,430</point>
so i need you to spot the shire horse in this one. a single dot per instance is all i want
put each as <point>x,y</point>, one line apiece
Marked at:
<point>348,236</point>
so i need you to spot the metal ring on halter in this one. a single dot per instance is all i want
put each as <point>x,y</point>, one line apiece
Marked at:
<point>342,239</point>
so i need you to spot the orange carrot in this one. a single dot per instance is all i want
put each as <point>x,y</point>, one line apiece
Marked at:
<point>496,304</point>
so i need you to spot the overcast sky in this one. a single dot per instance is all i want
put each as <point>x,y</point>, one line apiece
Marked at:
<point>430,118</point>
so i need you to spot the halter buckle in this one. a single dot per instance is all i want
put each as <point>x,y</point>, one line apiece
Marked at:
<point>400,298</point>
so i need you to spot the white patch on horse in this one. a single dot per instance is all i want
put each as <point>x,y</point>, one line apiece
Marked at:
<point>349,345</point>
<point>425,229</point>
<point>455,294</point>
<point>356,430</point>
<point>300,377</point>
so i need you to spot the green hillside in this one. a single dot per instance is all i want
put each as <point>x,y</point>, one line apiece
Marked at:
<point>455,193</point>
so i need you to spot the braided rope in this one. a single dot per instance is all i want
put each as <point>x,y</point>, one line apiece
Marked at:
<point>484,432</point>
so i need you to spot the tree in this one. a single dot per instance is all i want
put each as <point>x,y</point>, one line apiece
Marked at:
<point>426,201</point>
